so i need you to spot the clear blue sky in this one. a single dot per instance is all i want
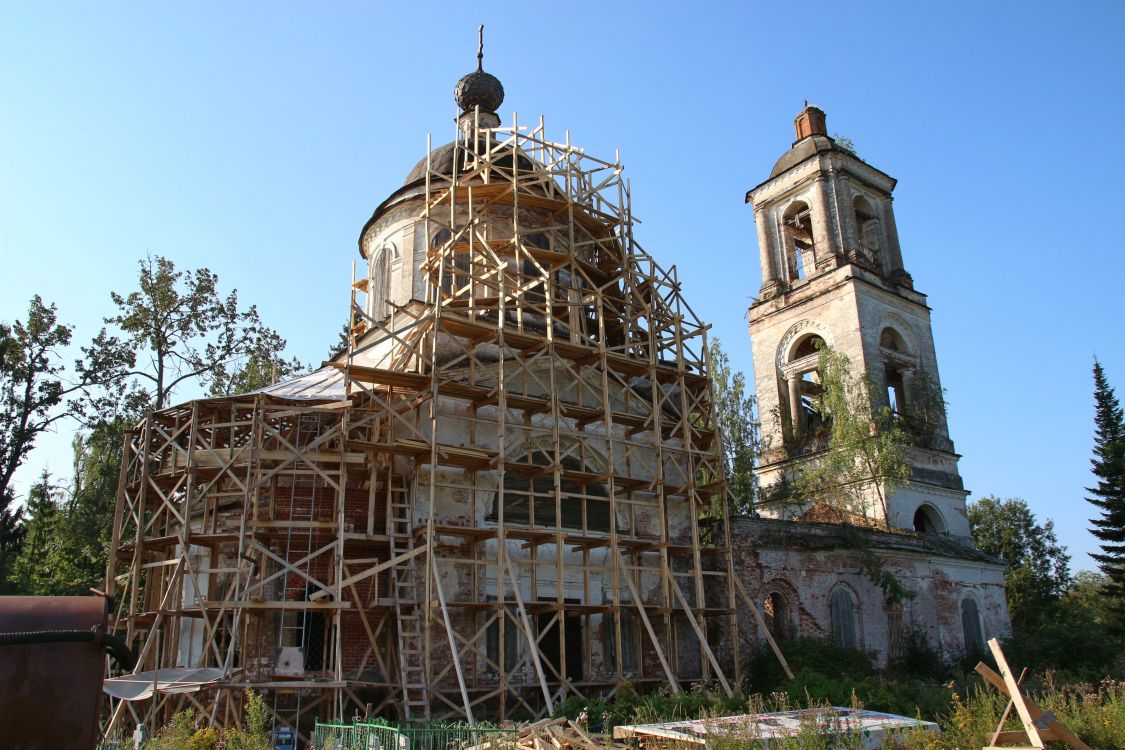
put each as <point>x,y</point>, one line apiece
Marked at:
<point>256,138</point>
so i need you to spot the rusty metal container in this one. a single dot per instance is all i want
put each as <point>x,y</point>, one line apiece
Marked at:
<point>51,681</point>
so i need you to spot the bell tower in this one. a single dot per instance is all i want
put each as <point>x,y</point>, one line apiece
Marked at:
<point>832,273</point>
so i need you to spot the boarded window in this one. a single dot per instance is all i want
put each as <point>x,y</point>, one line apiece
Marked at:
<point>970,625</point>
<point>843,609</point>
<point>895,631</point>
<point>628,642</point>
<point>511,642</point>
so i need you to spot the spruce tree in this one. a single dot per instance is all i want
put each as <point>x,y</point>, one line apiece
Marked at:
<point>1108,495</point>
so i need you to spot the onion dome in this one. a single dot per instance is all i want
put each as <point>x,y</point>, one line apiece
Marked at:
<point>479,89</point>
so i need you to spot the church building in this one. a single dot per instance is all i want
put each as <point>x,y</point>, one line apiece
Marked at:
<point>506,491</point>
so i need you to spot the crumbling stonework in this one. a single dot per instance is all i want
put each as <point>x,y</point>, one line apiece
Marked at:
<point>796,566</point>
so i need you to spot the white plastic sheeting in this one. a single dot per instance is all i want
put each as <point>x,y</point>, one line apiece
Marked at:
<point>327,383</point>
<point>876,729</point>
<point>142,685</point>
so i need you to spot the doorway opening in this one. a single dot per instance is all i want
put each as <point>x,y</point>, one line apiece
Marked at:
<point>551,641</point>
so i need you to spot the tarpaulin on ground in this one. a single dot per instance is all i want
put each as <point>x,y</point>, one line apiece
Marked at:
<point>875,728</point>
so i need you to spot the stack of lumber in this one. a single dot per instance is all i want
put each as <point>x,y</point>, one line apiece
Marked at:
<point>553,734</point>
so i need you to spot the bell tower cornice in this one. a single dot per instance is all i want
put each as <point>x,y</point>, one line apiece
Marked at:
<point>823,208</point>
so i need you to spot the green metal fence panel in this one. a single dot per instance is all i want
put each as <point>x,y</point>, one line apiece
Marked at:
<point>333,736</point>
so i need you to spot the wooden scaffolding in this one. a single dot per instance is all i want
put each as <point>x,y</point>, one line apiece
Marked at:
<point>498,512</point>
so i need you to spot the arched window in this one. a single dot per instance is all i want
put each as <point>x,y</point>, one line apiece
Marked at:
<point>381,278</point>
<point>843,608</point>
<point>776,611</point>
<point>870,231</point>
<point>927,520</point>
<point>804,385</point>
<point>799,244</point>
<point>970,626</point>
<point>898,365</point>
<point>807,347</point>
<point>892,339</point>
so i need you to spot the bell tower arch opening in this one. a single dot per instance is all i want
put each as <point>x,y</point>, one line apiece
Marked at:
<point>800,253</point>
<point>870,231</point>
<point>928,520</point>
<point>898,365</point>
<point>803,385</point>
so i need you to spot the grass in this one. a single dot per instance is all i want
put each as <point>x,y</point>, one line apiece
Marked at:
<point>965,708</point>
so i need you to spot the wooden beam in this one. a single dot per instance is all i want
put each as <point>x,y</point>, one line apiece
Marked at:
<point>651,633</point>
<point>700,634</point>
<point>1033,709</point>
<point>375,569</point>
<point>532,643</point>
<point>452,642</point>
<point>753,607</point>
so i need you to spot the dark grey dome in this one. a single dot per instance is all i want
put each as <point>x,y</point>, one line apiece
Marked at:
<point>803,149</point>
<point>443,158</point>
<point>479,89</point>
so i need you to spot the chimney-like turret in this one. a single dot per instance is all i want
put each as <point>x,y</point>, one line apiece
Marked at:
<point>811,121</point>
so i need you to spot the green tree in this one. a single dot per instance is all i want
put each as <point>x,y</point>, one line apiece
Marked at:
<point>255,734</point>
<point>29,567</point>
<point>343,341</point>
<point>1038,566</point>
<point>1108,495</point>
<point>261,366</point>
<point>1088,593</point>
<point>32,394</point>
<point>174,329</point>
<point>68,532</point>
<point>31,385</point>
<point>1059,637</point>
<point>79,559</point>
<point>734,411</point>
<point>864,459</point>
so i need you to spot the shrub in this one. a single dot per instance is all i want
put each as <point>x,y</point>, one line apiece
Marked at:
<point>919,658</point>
<point>204,739</point>
<point>819,655</point>
<point>256,735</point>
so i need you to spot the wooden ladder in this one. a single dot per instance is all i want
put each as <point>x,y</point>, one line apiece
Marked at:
<point>411,656</point>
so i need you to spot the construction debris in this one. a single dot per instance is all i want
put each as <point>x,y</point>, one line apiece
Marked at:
<point>1039,726</point>
<point>553,734</point>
